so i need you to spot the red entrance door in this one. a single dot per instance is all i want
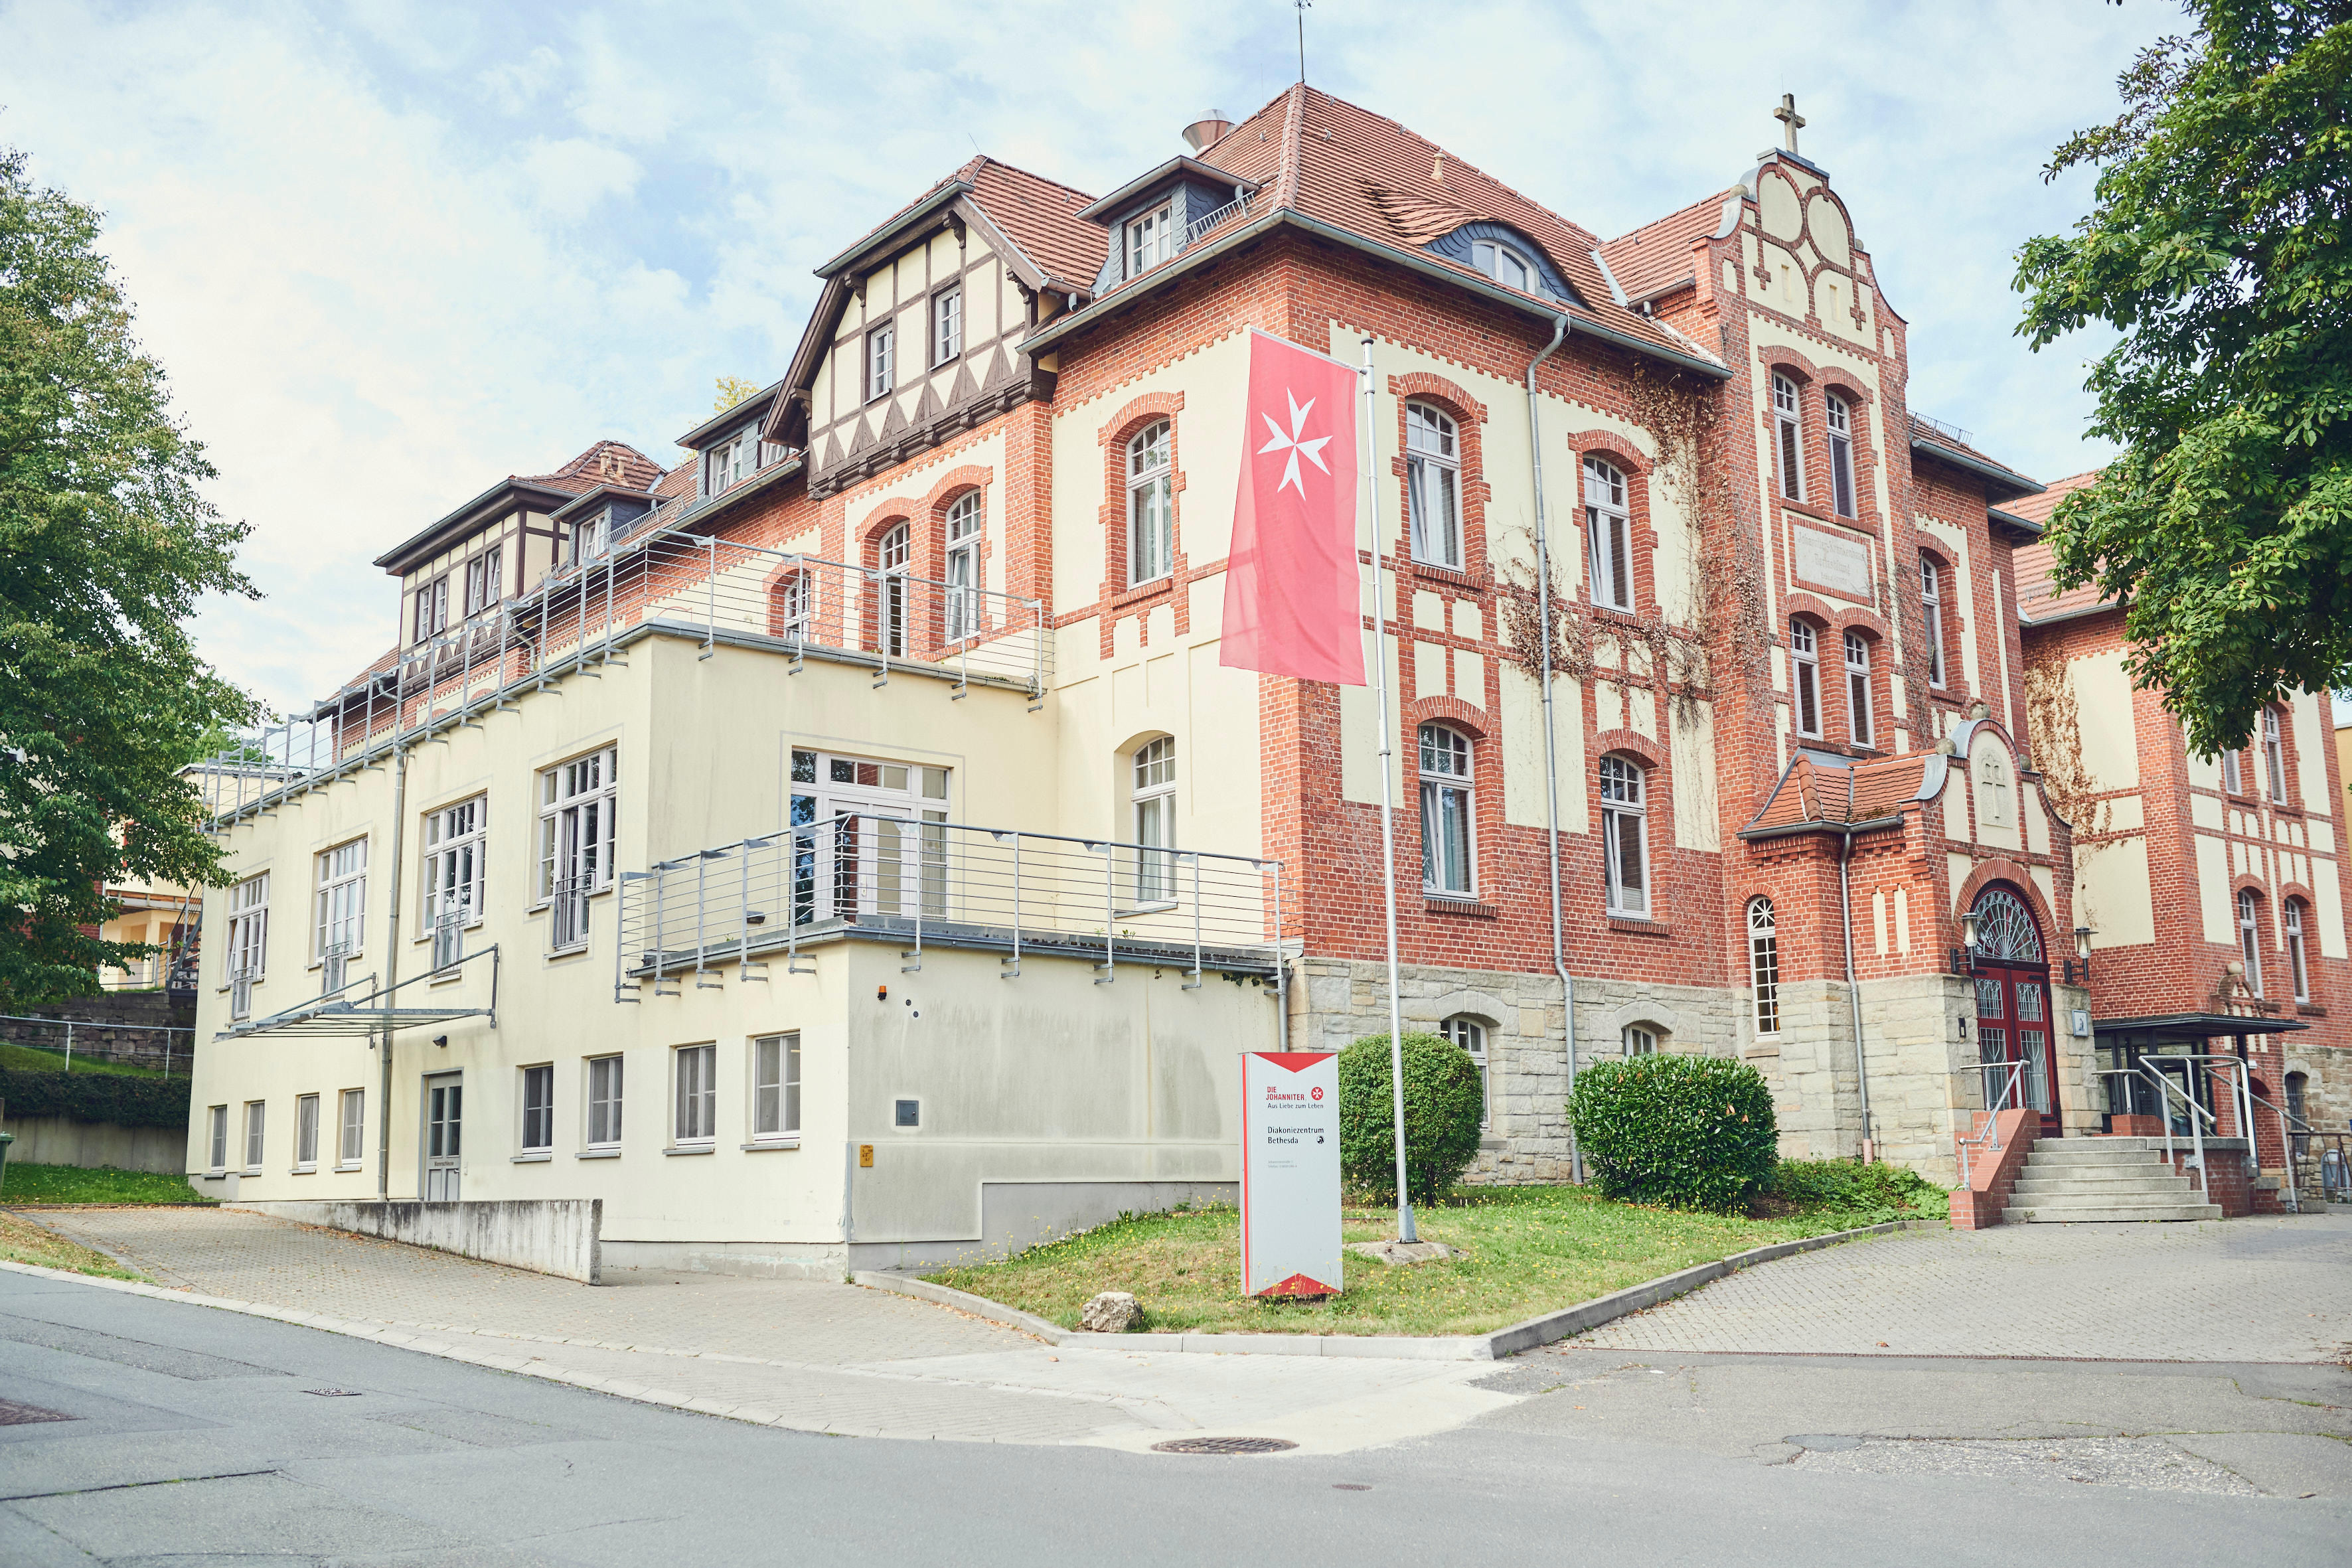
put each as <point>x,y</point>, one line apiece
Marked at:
<point>2012,977</point>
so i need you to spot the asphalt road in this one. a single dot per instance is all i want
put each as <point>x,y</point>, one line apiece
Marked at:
<point>198,1435</point>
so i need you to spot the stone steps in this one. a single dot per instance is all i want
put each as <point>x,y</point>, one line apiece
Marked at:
<point>2106,1181</point>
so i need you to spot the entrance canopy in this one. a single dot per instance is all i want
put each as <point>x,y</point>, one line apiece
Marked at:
<point>2184,1028</point>
<point>338,1013</point>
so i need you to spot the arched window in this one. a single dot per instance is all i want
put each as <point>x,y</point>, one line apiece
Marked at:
<point>1154,816</point>
<point>1858,688</point>
<point>1641,1041</point>
<point>1840,455</point>
<point>1788,431</point>
<point>1610,535</point>
<point>1433,485</point>
<point>1445,811</point>
<point>789,609</point>
<point>1150,516</point>
<point>1764,965</point>
<point>891,618</point>
<point>1624,842</point>
<point>2249,937</point>
<point>963,566</point>
<point>1931,610</point>
<point>1471,1035</point>
<point>2274,754</point>
<point>1805,669</point>
<point>2297,970</point>
<point>1504,264</point>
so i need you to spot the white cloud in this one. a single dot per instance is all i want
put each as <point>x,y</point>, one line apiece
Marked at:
<point>516,85</point>
<point>570,178</point>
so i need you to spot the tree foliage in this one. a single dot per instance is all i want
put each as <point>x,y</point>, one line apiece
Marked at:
<point>106,544</point>
<point>1444,1103</point>
<point>2218,246</point>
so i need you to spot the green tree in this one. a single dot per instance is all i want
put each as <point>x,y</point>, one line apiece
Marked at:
<point>1444,1103</point>
<point>105,546</point>
<point>2217,245</point>
<point>732,390</point>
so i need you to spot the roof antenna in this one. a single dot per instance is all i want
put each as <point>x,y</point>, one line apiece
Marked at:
<point>1301,6</point>
<point>974,140</point>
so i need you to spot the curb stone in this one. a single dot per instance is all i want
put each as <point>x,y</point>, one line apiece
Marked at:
<point>1502,1342</point>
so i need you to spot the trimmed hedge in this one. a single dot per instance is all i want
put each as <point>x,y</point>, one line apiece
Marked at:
<point>118,1098</point>
<point>1687,1132</point>
<point>1444,1104</point>
<point>1849,1184</point>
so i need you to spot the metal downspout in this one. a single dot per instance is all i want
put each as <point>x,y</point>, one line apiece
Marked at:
<point>391,978</point>
<point>1551,736</point>
<point>1853,993</point>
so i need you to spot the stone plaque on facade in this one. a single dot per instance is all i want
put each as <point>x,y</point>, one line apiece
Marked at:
<point>1838,562</point>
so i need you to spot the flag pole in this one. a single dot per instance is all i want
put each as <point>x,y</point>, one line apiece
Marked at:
<point>1405,1231</point>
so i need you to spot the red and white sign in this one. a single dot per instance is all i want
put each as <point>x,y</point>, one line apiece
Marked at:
<point>1290,1173</point>
<point>1293,597</point>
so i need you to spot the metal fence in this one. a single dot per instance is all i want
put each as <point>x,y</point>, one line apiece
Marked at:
<point>160,1047</point>
<point>576,620</point>
<point>925,881</point>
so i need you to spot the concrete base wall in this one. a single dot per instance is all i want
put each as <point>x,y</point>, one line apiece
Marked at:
<point>63,1141</point>
<point>549,1235</point>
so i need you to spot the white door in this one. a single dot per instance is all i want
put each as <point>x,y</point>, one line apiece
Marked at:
<point>445,1097</point>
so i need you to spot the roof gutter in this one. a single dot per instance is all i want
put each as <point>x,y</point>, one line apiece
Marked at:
<point>1790,830</point>
<point>2018,483</point>
<point>1410,260</point>
<point>874,238</point>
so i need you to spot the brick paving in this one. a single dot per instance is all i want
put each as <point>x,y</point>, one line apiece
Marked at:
<point>2245,1290</point>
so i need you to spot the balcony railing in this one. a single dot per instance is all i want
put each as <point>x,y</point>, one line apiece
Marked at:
<point>918,883</point>
<point>580,618</point>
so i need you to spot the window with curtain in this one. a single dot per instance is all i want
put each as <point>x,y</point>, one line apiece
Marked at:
<point>2232,778</point>
<point>1433,483</point>
<point>539,1108</point>
<point>1789,434</point>
<point>1805,672</point>
<point>1153,813</point>
<point>577,825</point>
<point>1931,609</point>
<point>1840,423</point>
<point>1150,516</point>
<point>342,909</point>
<point>963,566</point>
<point>2297,970</point>
<point>1625,837</point>
<point>1858,715</point>
<point>2275,754</point>
<point>890,611</point>
<point>1446,804</point>
<point>698,1094</point>
<point>2249,937</point>
<point>1609,534</point>
<point>776,1086</point>
<point>1764,965</point>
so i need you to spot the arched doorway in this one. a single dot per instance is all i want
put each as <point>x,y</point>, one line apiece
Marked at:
<point>2013,976</point>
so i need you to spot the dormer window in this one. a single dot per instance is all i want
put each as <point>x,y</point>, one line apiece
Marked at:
<point>731,461</point>
<point>1151,239</point>
<point>485,584</point>
<point>591,537</point>
<point>1504,265</point>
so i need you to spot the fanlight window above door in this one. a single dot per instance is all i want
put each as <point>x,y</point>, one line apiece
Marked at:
<point>2005,928</point>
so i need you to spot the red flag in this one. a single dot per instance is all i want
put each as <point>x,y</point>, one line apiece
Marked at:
<point>1293,599</point>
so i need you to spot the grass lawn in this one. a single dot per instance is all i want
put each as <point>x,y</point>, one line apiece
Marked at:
<point>1531,1250</point>
<point>21,1241</point>
<point>40,1058</point>
<point>30,1184</point>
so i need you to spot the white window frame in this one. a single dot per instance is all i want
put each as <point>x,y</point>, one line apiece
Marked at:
<point>305,1132</point>
<point>591,537</point>
<point>1448,771</point>
<point>776,1088</point>
<point>244,958</point>
<point>1638,1041</point>
<point>455,872</point>
<point>1152,816</point>
<point>894,558</point>
<point>1805,676</point>
<point>351,1129</point>
<point>1624,836</point>
<point>694,1095</point>
<point>432,608</point>
<point>1505,264</point>
<point>1789,438</point>
<point>536,1095</point>
<point>256,1134</point>
<point>1764,963</point>
<point>1931,608</point>
<point>947,325</point>
<point>339,929</point>
<point>1150,240</point>
<point>794,597</point>
<point>1432,484</point>
<point>2298,970</point>
<point>1861,720</point>
<point>1840,423</point>
<point>1609,534</point>
<point>485,581</point>
<point>2274,754</point>
<point>1470,1034</point>
<point>607,1087</point>
<point>577,833</point>
<point>218,1140</point>
<point>965,526</point>
<point>2233,778</point>
<point>881,354</point>
<point>1151,504</point>
<point>2250,938</point>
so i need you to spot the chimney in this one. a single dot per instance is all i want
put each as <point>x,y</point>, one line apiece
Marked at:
<point>1209,128</point>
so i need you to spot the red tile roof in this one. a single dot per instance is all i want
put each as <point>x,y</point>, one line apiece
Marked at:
<point>585,472</point>
<point>1813,792</point>
<point>1657,255</point>
<point>1040,216</point>
<point>1933,436</point>
<point>2036,600</point>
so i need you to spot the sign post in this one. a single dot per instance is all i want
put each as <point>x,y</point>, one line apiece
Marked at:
<point>1290,1173</point>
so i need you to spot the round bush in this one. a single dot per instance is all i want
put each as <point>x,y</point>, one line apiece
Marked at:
<point>1688,1132</point>
<point>1444,1104</point>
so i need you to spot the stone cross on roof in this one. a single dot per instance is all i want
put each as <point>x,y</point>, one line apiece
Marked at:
<point>1788,116</point>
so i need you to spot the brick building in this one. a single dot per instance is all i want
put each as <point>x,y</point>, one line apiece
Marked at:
<point>878,761</point>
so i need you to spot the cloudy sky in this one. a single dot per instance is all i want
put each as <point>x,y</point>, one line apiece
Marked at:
<point>391,251</point>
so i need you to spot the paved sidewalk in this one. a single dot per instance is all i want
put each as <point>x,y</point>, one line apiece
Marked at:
<point>2222,1290</point>
<point>807,1354</point>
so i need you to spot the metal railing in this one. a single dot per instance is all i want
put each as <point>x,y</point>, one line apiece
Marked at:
<point>111,1052</point>
<point>1208,221</point>
<point>1985,1137</point>
<point>580,618</point>
<point>923,881</point>
<point>2165,1086</point>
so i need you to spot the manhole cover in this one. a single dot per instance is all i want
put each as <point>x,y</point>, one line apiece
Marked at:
<point>1224,1446</point>
<point>15,1415</point>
